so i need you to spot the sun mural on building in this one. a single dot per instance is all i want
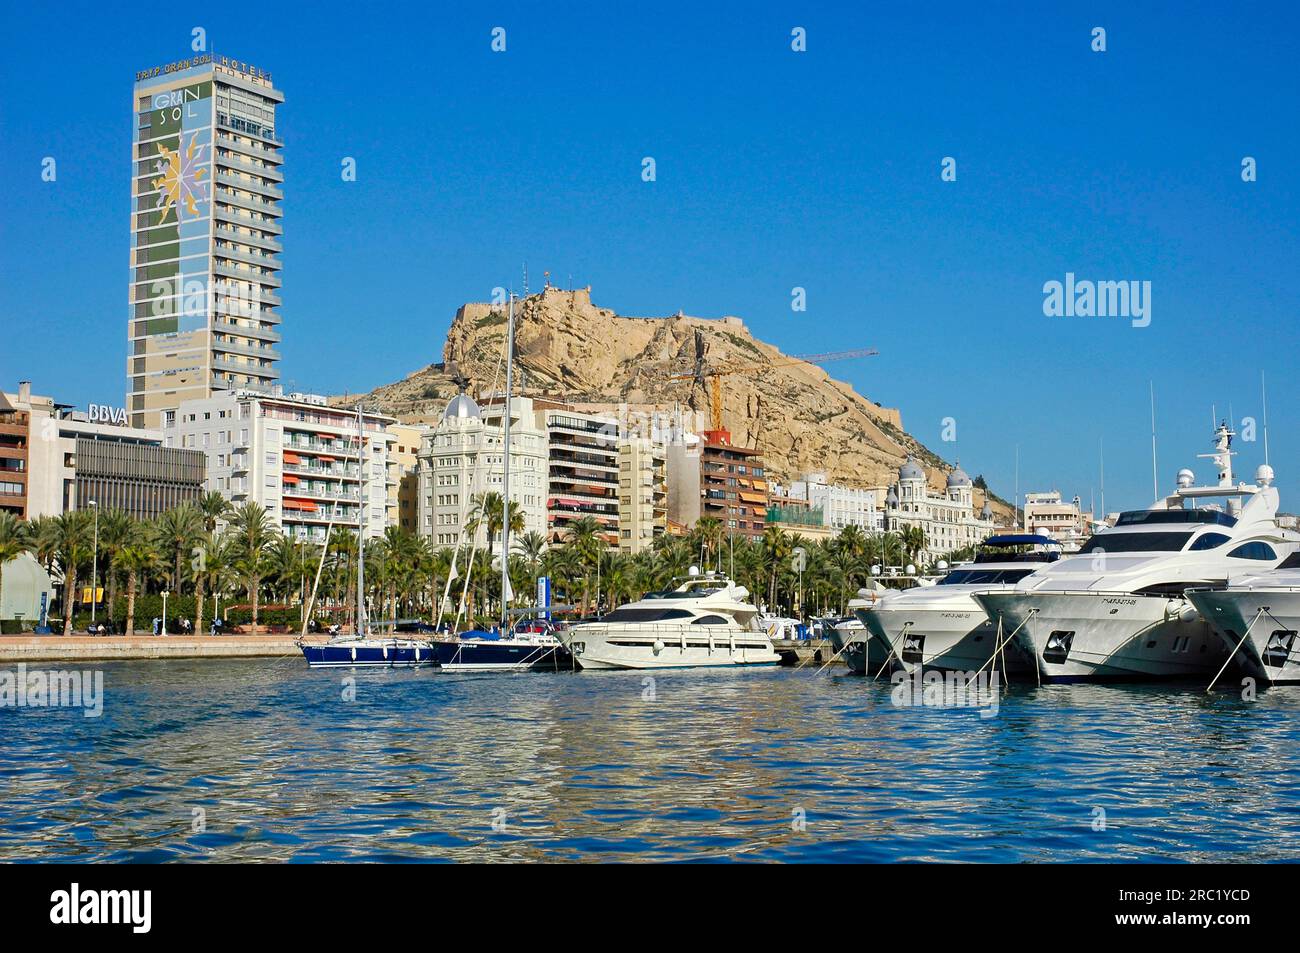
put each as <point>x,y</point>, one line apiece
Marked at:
<point>182,182</point>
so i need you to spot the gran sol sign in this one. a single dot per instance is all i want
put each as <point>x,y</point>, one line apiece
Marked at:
<point>104,414</point>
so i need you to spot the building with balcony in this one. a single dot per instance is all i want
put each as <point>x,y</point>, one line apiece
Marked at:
<point>296,456</point>
<point>733,485</point>
<point>206,188</point>
<point>404,496</point>
<point>642,493</point>
<point>583,468</point>
<point>463,458</point>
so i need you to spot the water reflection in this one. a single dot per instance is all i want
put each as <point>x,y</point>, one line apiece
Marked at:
<point>759,765</point>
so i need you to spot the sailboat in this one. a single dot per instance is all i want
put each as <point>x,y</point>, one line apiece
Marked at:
<point>362,647</point>
<point>527,647</point>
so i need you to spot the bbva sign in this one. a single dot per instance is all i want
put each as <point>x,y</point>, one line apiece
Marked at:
<point>104,414</point>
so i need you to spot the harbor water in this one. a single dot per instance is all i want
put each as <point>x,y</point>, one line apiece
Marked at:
<point>247,759</point>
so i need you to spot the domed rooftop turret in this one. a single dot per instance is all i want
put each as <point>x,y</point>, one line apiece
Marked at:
<point>891,498</point>
<point>910,470</point>
<point>987,512</point>
<point>462,407</point>
<point>958,478</point>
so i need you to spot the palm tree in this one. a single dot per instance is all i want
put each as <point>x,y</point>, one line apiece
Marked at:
<point>584,537</point>
<point>252,533</point>
<point>180,532</point>
<point>706,537</point>
<point>531,546</point>
<point>116,528</point>
<point>776,547</point>
<point>138,557</point>
<point>212,507</point>
<point>14,541</point>
<point>215,573</point>
<point>69,537</point>
<point>913,541</point>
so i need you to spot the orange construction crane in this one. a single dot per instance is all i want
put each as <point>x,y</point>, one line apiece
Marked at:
<point>714,375</point>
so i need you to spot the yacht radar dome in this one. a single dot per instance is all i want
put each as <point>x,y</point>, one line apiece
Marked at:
<point>1186,477</point>
<point>693,571</point>
<point>1264,475</point>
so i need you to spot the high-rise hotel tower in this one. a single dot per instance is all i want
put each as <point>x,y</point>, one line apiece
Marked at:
<point>205,235</point>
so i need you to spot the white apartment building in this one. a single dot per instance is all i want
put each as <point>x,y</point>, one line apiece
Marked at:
<point>462,458</point>
<point>841,506</point>
<point>294,455</point>
<point>948,519</point>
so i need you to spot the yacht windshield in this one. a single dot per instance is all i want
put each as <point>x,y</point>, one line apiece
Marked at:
<point>644,615</point>
<point>1135,543</point>
<point>966,577</point>
<point>1196,515</point>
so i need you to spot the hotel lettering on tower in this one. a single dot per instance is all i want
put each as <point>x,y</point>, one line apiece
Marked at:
<point>205,235</point>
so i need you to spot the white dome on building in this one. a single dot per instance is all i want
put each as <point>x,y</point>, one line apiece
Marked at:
<point>462,406</point>
<point>910,470</point>
<point>958,478</point>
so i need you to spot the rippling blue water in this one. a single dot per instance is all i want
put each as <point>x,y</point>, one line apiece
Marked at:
<point>592,766</point>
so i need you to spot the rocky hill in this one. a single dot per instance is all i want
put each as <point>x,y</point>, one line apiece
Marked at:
<point>568,349</point>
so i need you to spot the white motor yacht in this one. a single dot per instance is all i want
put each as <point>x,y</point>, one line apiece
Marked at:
<point>707,620</point>
<point>942,626</point>
<point>1118,609</point>
<point>1257,616</point>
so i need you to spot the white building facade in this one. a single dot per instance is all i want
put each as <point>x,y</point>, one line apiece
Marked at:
<point>949,520</point>
<point>841,506</point>
<point>462,458</point>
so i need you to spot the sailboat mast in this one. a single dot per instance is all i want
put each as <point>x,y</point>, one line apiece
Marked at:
<point>505,469</point>
<point>361,532</point>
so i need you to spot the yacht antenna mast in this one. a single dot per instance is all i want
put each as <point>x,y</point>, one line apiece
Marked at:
<point>1101,456</point>
<point>1263,390</point>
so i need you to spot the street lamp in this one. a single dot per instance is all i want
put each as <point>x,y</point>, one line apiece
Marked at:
<point>94,566</point>
<point>164,615</point>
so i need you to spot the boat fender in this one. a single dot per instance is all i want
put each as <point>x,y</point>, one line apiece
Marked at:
<point>659,646</point>
<point>385,651</point>
<point>354,653</point>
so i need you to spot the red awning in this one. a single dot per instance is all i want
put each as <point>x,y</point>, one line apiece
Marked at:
<point>292,457</point>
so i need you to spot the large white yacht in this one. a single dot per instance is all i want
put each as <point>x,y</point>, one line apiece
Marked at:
<point>1257,617</point>
<point>1118,608</point>
<point>707,620</point>
<point>942,626</point>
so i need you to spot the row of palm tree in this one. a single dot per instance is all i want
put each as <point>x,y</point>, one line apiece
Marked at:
<point>220,553</point>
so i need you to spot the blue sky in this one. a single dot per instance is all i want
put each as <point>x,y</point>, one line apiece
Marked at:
<point>775,169</point>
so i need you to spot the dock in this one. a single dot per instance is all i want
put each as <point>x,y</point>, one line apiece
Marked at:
<point>88,648</point>
<point>805,651</point>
